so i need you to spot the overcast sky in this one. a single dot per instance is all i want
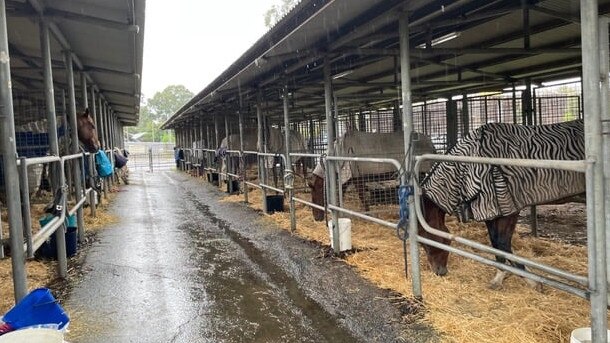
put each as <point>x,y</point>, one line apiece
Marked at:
<point>191,42</point>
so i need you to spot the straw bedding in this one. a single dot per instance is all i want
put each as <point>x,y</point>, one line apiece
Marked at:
<point>460,305</point>
<point>41,272</point>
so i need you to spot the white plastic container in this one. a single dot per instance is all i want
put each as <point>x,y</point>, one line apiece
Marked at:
<point>33,336</point>
<point>583,335</point>
<point>345,234</point>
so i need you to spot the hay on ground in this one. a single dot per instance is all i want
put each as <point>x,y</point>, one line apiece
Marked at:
<point>42,272</point>
<point>460,305</point>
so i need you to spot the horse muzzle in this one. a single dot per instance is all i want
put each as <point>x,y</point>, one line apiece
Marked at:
<point>440,271</point>
<point>318,215</point>
<point>92,148</point>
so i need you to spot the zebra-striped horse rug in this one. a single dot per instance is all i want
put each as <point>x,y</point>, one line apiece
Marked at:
<point>484,192</point>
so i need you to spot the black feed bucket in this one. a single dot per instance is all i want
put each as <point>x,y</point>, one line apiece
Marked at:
<point>49,248</point>
<point>275,203</point>
<point>213,179</point>
<point>232,186</point>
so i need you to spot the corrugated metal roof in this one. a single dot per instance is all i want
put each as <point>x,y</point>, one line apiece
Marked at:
<point>362,37</point>
<point>106,38</point>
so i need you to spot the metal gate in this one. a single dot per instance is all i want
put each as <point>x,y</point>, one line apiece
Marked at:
<point>149,156</point>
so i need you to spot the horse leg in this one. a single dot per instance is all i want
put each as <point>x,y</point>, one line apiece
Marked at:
<point>44,180</point>
<point>492,229</point>
<point>359,183</point>
<point>501,233</point>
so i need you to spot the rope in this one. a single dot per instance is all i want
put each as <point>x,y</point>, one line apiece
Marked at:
<point>404,192</point>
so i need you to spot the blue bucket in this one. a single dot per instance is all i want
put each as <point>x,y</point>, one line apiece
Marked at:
<point>38,307</point>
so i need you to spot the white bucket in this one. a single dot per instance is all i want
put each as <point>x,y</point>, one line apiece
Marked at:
<point>583,335</point>
<point>345,234</point>
<point>33,336</point>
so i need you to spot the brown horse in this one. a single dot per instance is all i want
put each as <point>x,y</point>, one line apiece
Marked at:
<point>496,194</point>
<point>500,232</point>
<point>87,134</point>
<point>367,144</point>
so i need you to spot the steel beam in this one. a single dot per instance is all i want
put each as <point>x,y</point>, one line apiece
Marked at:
<point>9,154</point>
<point>62,265</point>
<point>78,186</point>
<point>596,232</point>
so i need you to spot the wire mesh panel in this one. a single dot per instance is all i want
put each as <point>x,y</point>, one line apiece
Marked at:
<point>431,119</point>
<point>367,187</point>
<point>274,165</point>
<point>381,120</point>
<point>557,109</point>
<point>31,134</point>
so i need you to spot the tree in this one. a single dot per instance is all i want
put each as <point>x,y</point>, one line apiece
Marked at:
<point>165,103</point>
<point>156,110</point>
<point>276,12</point>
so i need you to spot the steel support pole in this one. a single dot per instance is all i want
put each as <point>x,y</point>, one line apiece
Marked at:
<point>83,81</point>
<point>109,140</point>
<point>216,132</point>
<point>202,144</point>
<point>25,206</point>
<point>83,87</point>
<point>208,135</point>
<point>110,130</point>
<point>9,158</point>
<point>64,123</point>
<point>335,166</point>
<point>262,171</point>
<point>102,124</point>
<point>242,162</point>
<point>595,173</point>
<point>407,128</point>
<point>50,100</point>
<point>605,118</point>
<point>112,126</point>
<point>465,115</point>
<point>68,178</point>
<point>60,238</point>
<point>107,128</point>
<point>331,182</point>
<point>288,174</point>
<point>228,156</point>
<point>102,117</point>
<point>94,108</point>
<point>452,122</point>
<point>514,102</point>
<point>75,146</point>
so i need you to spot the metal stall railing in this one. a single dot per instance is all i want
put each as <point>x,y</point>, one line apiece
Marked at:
<point>264,159</point>
<point>186,161</point>
<point>554,277</point>
<point>211,166</point>
<point>334,160</point>
<point>339,208</point>
<point>317,158</point>
<point>34,242</point>
<point>198,161</point>
<point>247,178</point>
<point>231,170</point>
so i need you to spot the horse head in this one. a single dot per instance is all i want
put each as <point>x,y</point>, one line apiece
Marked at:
<point>435,217</point>
<point>316,184</point>
<point>87,133</point>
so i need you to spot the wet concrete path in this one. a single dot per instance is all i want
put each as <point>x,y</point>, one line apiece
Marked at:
<point>181,267</point>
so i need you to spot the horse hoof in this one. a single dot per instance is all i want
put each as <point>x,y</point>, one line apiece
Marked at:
<point>495,286</point>
<point>538,287</point>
